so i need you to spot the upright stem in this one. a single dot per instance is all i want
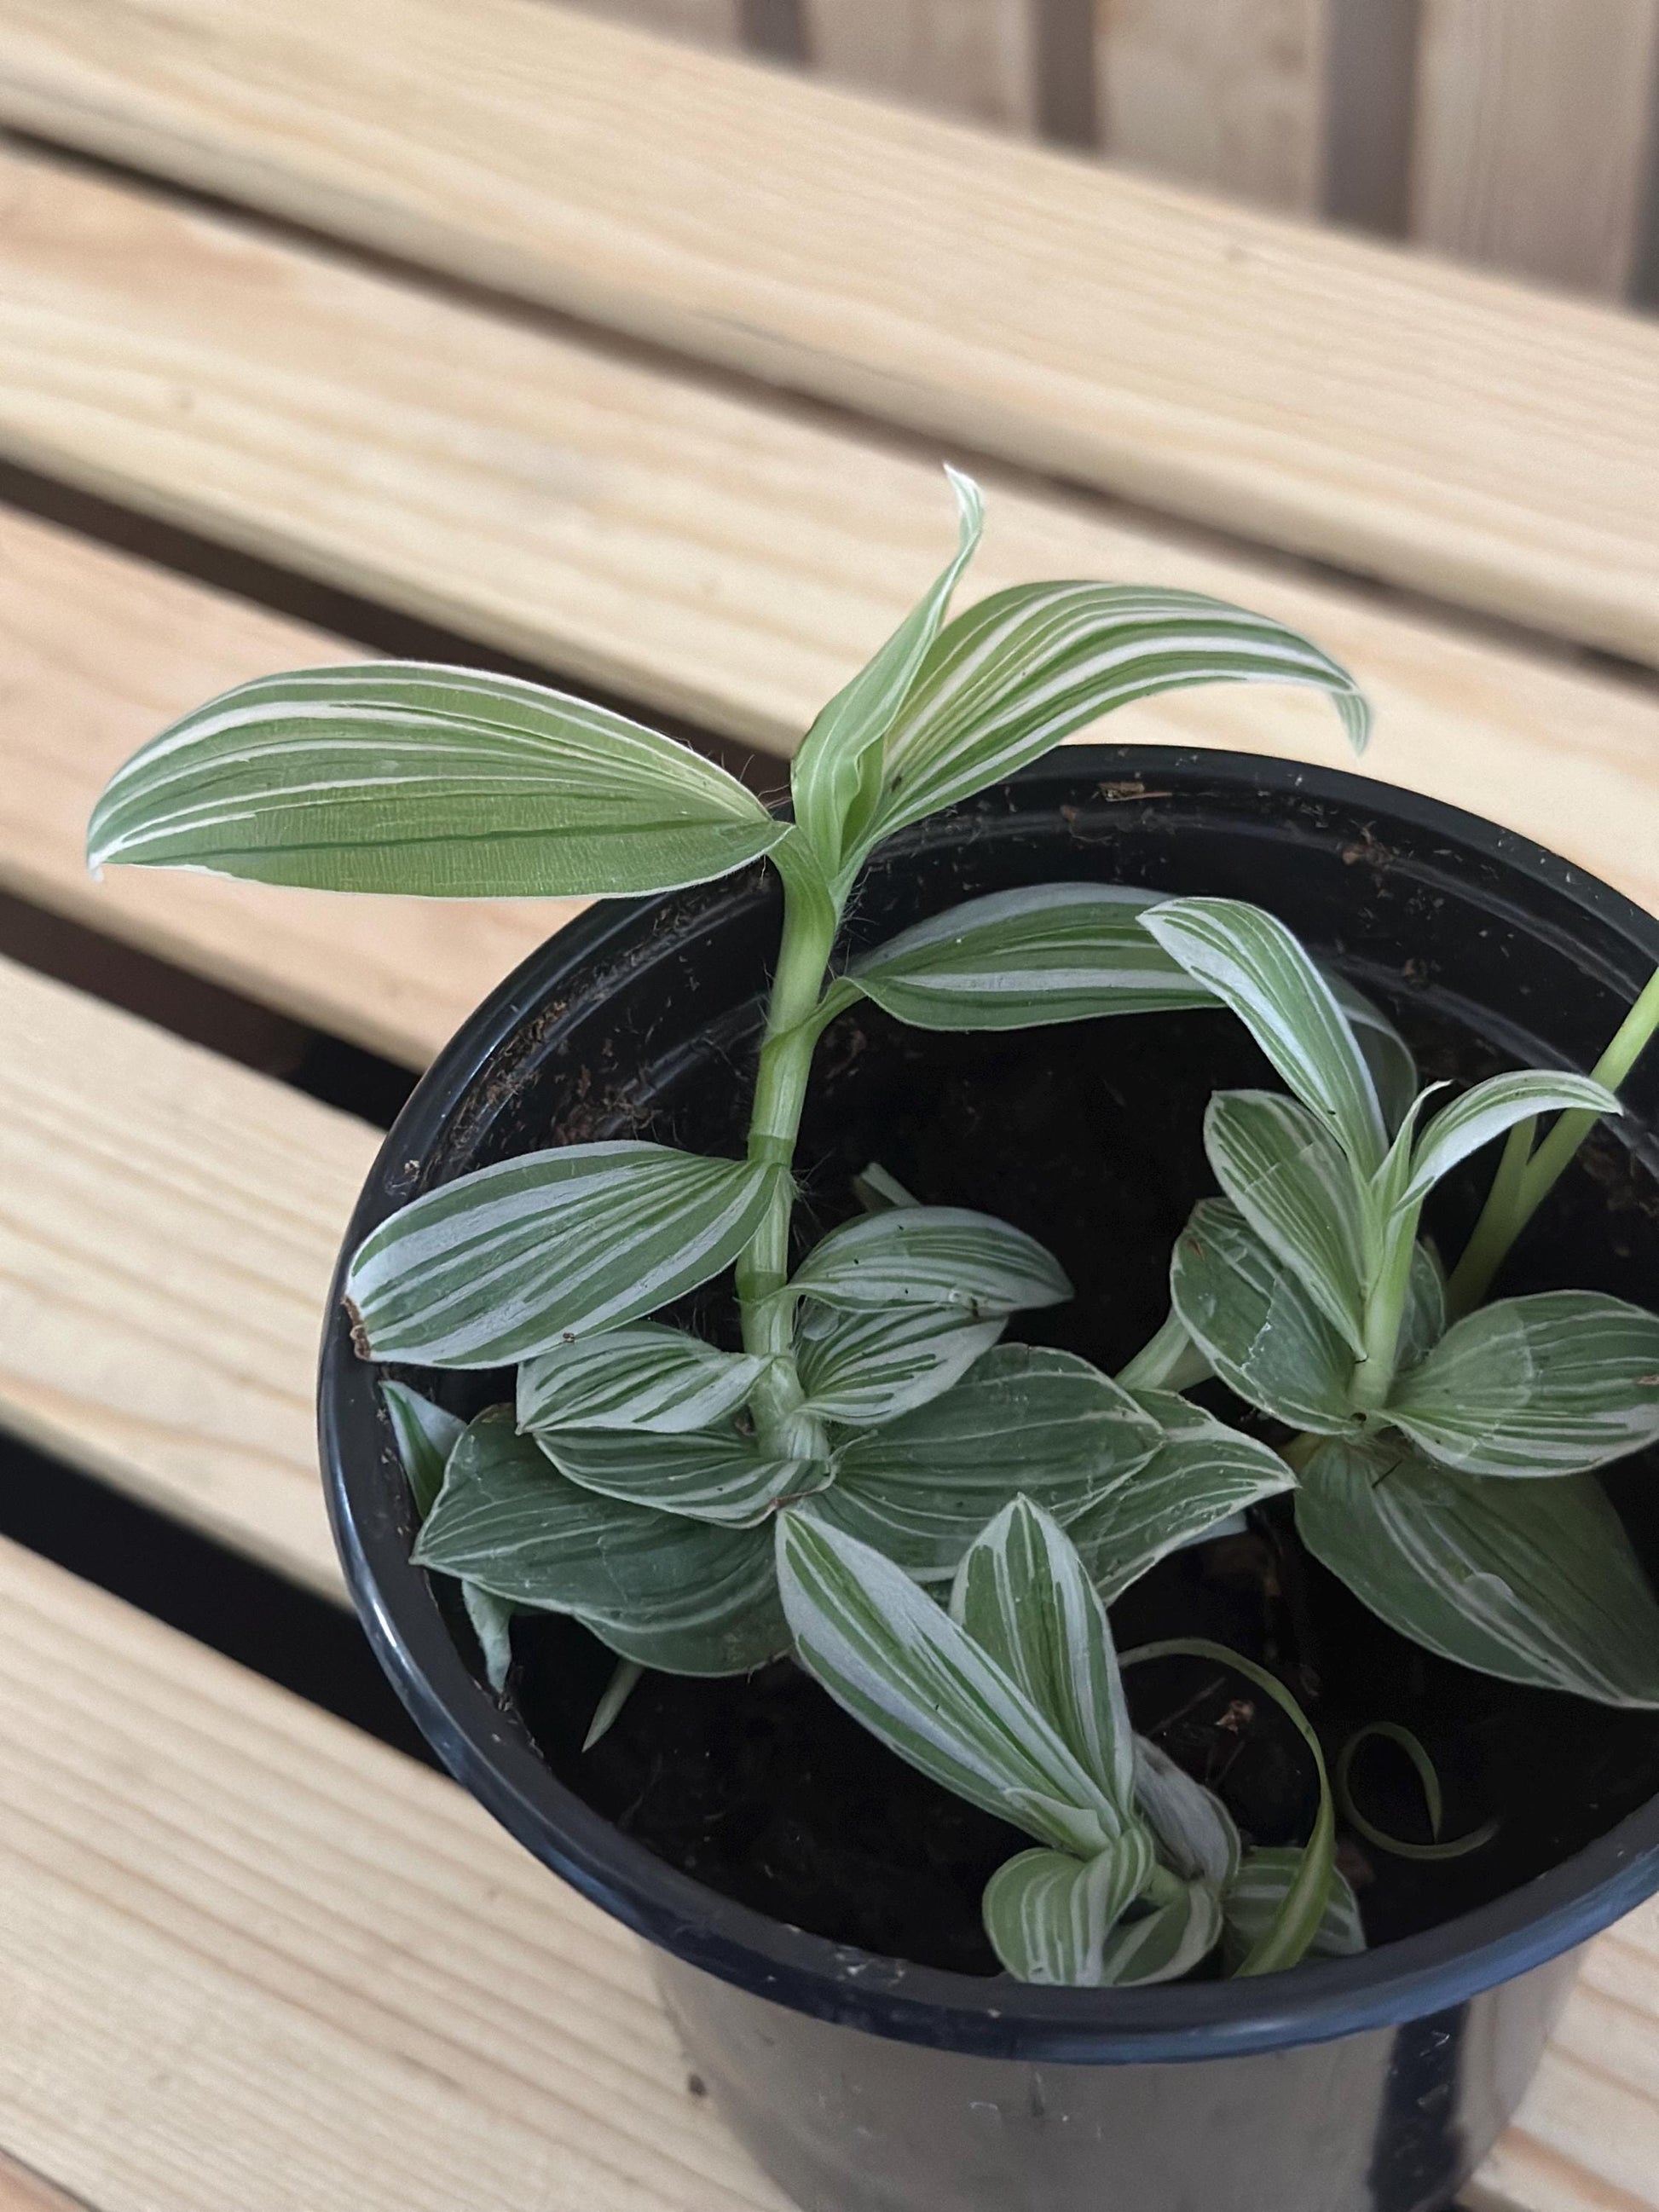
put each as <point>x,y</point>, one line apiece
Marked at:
<point>1385,1309</point>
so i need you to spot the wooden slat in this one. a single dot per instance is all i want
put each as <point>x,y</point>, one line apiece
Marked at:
<point>975,58</point>
<point>1227,94</point>
<point>1312,390</point>
<point>1534,120</point>
<point>22,2192</point>
<point>97,652</point>
<point>713,22</point>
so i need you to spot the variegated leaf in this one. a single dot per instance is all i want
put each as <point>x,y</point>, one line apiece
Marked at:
<point>866,1367</point>
<point>1253,964</point>
<point>492,1623</point>
<point>445,782</point>
<point>1256,1894</point>
<point>1291,1181</point>
<point>710,1474</point>
<point>1544,1385</point>
<point>644,1377</point>
<point>900,1665</point>
<point>1165,1943</point>
<point>1048,1914</point>
<point>1422,1323</point>
<point>1023,1595</point>
<point>1008,680</point>
<point>931,1256</point>
<point>1202,1472</point>
<point>501,1264</point>
<point>1533,1582</point>
<point>1259,1328</point>
<point>1489,1110</point>
<point>682,1595</point>
<point>1387,1055</point>
<point>426,1434</point>
<point>1022,1420</point>
<point>1195,1829</point>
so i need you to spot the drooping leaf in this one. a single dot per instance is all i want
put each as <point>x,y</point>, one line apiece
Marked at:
<point>1202,1472</point>
<point>1195,1829</point>
<point>445,782</point>
<point>501,1264</point>
<point>425,1435</point>
<point>1259,1328</point>
<point>1164,1943</point>
<point>1489,1110</point>
<point>1291,1181</point>
<point>1007,681</point>
<point>1022,1420</point>
<point>1387,1055</point>
<point>1253,964</point>
<point>703,1598</point>
<point>900,1665</point>
<point>710,1474</point>
<point>835,776</point>
<point>625,1678</point>
<point>1533,1582</point>
<point>1451,1847</point>
<point>1049,952</point>
<point>1023,1595</point>
<point>492,1623</point>
<point>642,1377</point>
<point>1257,1894</point>
<point>1048,1914</point>
<point>1537,1386</point>
<point>866,1367</point>
<point>932,1255</point>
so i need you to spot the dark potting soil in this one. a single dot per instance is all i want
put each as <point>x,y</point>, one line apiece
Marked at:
<point>1089,1137</point>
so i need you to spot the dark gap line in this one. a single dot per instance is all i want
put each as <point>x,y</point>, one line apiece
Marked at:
<point>1371,104</point>
<point>1067,104</point>
<point>776,29</point>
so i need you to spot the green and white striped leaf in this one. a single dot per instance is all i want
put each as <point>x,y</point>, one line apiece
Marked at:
<point>1544,1385</point>
<point>1195,1829</point>
<point>711,1474</point>
<point>501,1264</point>
<point>1005,681</point>
<point>1291,1181</point>
<point>900,1665</point>
<point>1252,1901</point>
<point>1533,1582</point>
<point>1023,1595</point>
<point>1489,1110</point>
<point>1022,1420</point>
<point>1387,1055</point>
<point>426,1434</point>
<point>1164,1943</point>
<point>644,1377</point>
<point>1422,1323</point>
<point>683,1595</point>
<point>1262,1334</point>
<point>1201,1473</point>
<point>1048,1914</point>
<point>836,777</point>
<point>1049,952</point>
<point>1253,964</point>
<point>932,1255</point>
<point>492,1623</point>
<point>444,783</point>
<point>864,1368</point>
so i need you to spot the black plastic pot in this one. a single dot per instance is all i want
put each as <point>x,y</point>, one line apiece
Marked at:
<point>865,2084</point>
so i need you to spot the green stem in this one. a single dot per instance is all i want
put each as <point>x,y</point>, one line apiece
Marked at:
<point>1492,1235</point>
<point>1385,1309</point>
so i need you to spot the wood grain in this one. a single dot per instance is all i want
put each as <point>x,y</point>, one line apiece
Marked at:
<point>975,58</point>
<point>1225,94</point>
<point>1534,121</point>
<point>1307,389</point>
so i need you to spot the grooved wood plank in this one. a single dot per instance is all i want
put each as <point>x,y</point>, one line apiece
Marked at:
<point>1439,429</point>
<point>682,544</point>
<point>97,652</point>
<point>1226,94</point>
<point>975,58</point>
<point>1534,122</point>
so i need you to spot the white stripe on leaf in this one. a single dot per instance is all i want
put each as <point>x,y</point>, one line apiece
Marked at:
<point>932,1255</point>
<point>1048,1915</point>
<point>1261,1331</point>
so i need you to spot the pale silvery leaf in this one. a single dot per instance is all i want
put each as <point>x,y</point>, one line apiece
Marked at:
<point>1021,1593</point>
<point>643,1377</point>
<point>1291,1181</point>
<point>1489,1110</point>
<point>1050,952</point>
<point>426,1434</point>
<point>1422,1323</point>
<point>1387,1055</point>
<point>864,1368</point>
<point>1022,1418</point>
<point>625,1678</point>
<point>710,1474</point>
<point>900,1665</point>
<point>446,782</point>
<point>501,1264</point>
<point>1533,1582</point>
<point>1164,1943</point>
<point>1250,1903</point>
<point>1195,1829</point>
<point>1048,1914</point>
<point>1010,678</point>
<point>492,1623</point>
<point>931,1256</point>
<point>1202,1473</point>
<point>1253,964</point>
<point>508,1520</point>
<point>835,776</point>
<point>1255,1324</point>
<point>1544,1385</point>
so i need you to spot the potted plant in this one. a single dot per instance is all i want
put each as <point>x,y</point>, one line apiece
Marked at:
<point>668,1389</point>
